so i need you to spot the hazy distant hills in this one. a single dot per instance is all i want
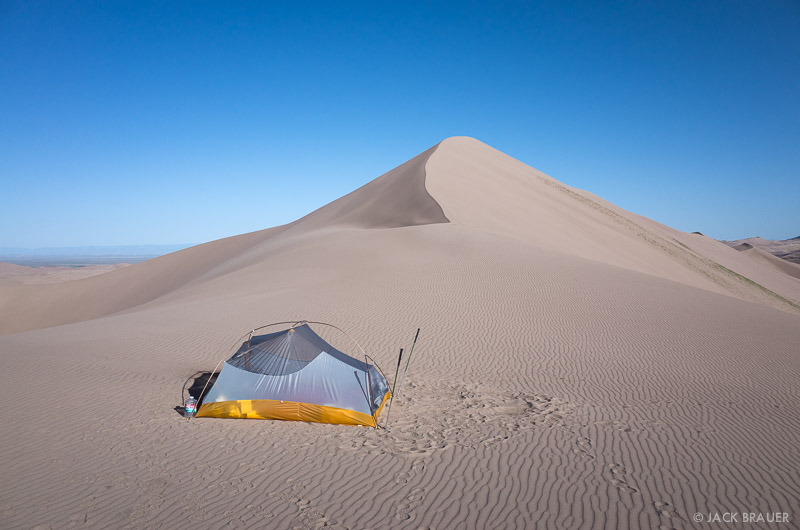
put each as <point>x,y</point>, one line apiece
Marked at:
<point>788,249</point>
<point>87,255</point>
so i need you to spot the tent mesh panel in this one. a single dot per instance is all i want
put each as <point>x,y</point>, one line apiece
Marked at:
<point>286,352</point>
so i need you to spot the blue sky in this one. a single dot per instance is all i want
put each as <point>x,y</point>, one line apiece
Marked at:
<point>136,123</point>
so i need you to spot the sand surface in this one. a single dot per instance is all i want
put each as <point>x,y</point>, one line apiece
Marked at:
<point>579,366</point>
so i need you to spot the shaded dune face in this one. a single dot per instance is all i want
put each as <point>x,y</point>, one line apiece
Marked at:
<point>396,199</point>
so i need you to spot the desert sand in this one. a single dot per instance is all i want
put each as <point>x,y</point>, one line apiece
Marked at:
<point>13,273</point>
<point>579,366</point>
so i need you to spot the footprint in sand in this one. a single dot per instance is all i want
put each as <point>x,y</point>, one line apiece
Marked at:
<point>260,511</point>
<point>310,518</point>
<point>406,508</point>
<point>666,510</point>
<point>404,511</point>
<point>307,516</point>
<point>583,447</point>
<point>460,416</point>
<point>623,486</point>
<point>620,480</point>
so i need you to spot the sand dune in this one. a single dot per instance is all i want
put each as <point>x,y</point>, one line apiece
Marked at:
<point>462,181</point>
<point>38,275</point>
<point>482,188</point>
<point>762,258</point>
<point>787,249</point>
<point>10,270</point>
<point>25,307</point>
<point>579,367</point>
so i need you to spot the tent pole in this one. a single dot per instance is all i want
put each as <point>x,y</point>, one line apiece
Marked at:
<point>397,371</point>
<point>204,386</point>
<point>369,391</point>
<point>183,390</point>
<point>408,361</point>
<point>248,348</point>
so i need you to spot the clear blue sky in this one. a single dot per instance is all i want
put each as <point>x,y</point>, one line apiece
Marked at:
<point>183,122</point>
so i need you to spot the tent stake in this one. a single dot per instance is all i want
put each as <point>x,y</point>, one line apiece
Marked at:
<point>397,371</point>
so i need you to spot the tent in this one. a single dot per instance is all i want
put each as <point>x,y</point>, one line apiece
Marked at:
<point>295,375</point>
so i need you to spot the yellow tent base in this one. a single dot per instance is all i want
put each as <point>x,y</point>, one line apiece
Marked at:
<point>271,409</point>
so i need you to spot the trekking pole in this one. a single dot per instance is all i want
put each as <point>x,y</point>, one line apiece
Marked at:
<point>397,371</point>
<point>408,361</point>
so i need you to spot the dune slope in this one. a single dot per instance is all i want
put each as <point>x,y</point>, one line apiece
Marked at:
<point>485,189</point>
<point>397,198</point>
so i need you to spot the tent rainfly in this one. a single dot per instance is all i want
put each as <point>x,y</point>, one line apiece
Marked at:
<point>295,375</point>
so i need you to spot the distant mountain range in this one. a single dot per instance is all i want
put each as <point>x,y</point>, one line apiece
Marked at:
<point>788,249</point>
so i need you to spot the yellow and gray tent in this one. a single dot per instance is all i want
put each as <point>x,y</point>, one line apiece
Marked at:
<point>295,375</point>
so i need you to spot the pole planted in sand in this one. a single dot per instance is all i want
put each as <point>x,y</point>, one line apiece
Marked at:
<point>396,371</point>
<point>408,361</point>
